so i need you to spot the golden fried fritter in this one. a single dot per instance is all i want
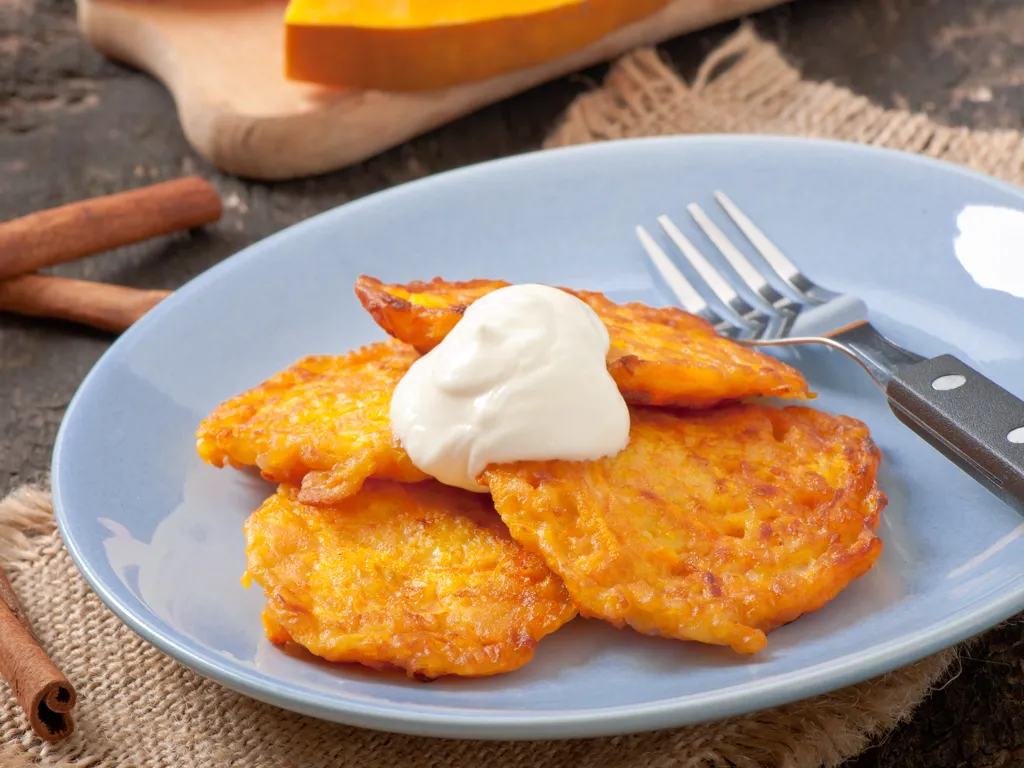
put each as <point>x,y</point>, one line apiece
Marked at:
<point>657,357</point>
<point>422,577</point>
<point>322,422</point>
<point>716,526</point>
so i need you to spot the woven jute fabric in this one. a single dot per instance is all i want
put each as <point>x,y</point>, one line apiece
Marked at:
<point>138,708</point>
<point>746,86</point>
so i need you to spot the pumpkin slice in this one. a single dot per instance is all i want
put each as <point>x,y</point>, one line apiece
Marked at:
<point>408,45</point>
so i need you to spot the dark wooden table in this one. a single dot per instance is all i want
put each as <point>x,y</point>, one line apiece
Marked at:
<point>73,125</point>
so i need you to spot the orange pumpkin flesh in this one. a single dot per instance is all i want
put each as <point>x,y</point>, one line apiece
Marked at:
<point>411,45</point>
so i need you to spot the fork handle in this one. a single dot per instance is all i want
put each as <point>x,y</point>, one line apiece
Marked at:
<point>969,418</point>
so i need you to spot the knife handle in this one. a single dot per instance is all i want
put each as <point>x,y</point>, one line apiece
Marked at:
<point>969,418</point>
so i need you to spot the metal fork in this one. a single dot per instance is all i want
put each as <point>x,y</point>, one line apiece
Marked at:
<point>970,419</point>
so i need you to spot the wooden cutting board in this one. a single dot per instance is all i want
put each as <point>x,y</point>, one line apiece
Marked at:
<point>223,61</point>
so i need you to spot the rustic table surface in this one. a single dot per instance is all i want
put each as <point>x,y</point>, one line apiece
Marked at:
<point>74,125</point>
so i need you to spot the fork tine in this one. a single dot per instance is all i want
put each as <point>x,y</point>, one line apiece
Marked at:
<point>708,273</point>
<point>681,288</point>
<point>776,259</point>
<point>746,315</point>
<point>747,271</point>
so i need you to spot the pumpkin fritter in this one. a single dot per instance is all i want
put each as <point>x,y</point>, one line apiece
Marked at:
<point>420,577</point>
<point>715,526</point>
<point>658,356</point>
<point>322,422</point>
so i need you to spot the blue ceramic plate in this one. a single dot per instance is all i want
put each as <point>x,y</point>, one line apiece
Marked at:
<point>158,534</point>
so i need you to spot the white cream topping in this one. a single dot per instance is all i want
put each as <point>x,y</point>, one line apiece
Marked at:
<point>521,377</point>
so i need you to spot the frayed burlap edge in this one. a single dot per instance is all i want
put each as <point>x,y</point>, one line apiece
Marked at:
<point>747,86</point>
<point>24,515</point>
<point>823,730</point>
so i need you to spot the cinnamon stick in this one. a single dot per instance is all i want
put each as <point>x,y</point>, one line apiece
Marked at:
<point>100,305</point>
<point>42,690</point>
<point>102,223</point>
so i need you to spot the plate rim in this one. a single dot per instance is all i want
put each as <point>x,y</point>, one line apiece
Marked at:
<point>450,722</point>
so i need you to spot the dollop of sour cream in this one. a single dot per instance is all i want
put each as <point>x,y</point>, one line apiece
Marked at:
<point>521,377</point>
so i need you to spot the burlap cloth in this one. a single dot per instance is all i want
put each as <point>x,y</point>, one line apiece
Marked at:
<point>137,707</point>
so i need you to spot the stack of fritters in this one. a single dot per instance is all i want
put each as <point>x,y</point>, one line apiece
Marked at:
<point>720,521</point>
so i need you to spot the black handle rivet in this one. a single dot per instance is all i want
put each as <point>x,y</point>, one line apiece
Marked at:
<point>948,382</point>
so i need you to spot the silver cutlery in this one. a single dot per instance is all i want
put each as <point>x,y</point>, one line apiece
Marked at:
<point>969,418</point>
